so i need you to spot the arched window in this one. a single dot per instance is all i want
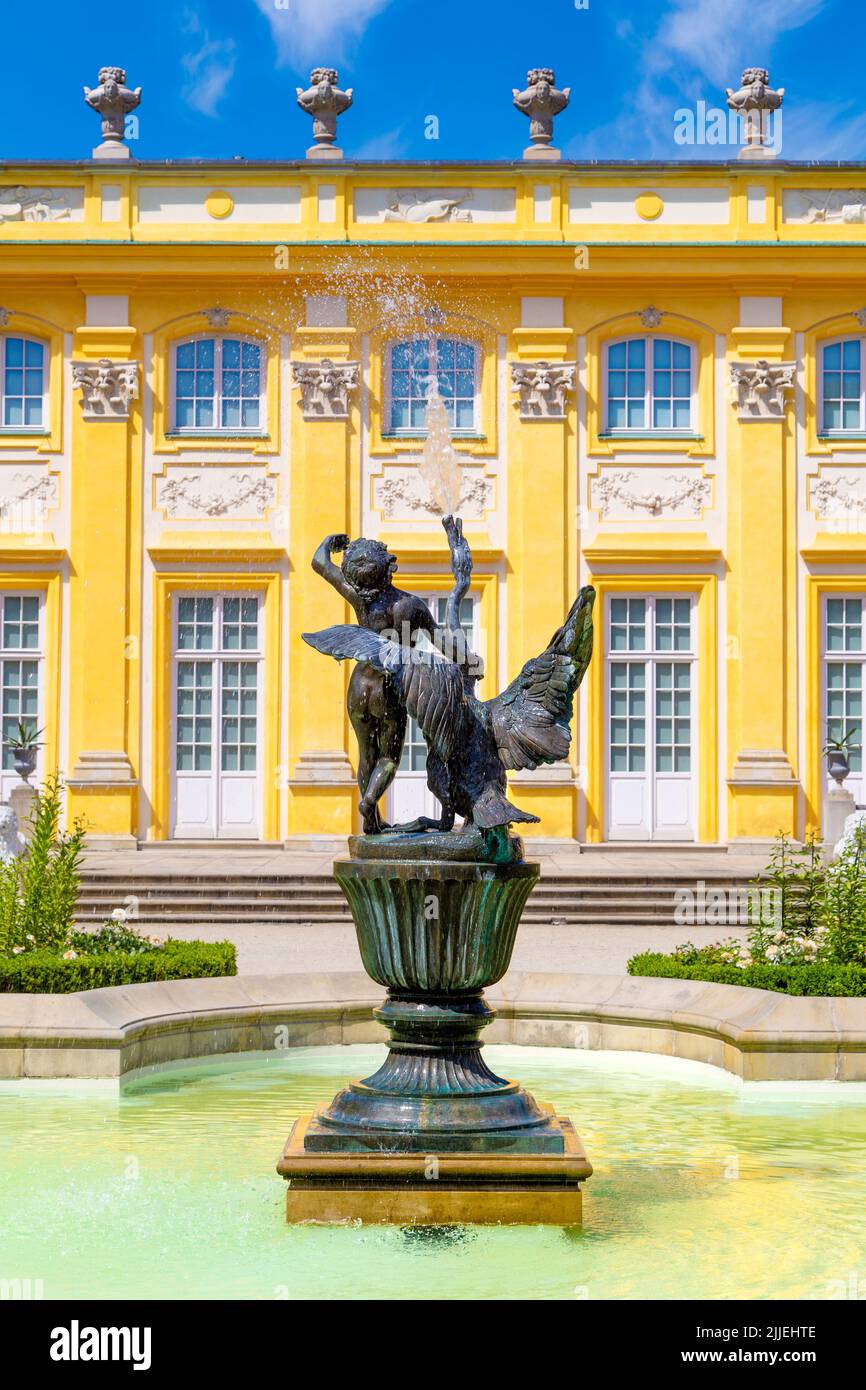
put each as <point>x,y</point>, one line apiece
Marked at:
<point>412,364</point>
<point>650,385</point>
<point>218,385</point>
<point>843,410</point>
<point>23,382</point>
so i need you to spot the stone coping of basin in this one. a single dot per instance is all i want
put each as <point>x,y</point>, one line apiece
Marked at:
<point>756,1035</point>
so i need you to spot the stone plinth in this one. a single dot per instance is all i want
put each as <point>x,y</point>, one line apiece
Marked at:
<point>436,1190</point>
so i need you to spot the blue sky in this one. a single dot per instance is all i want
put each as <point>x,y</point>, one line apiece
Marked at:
<point>219,75</point>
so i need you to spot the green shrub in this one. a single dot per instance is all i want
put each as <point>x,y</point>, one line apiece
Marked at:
<point>822,978</point>
<point>46,972</point>
<point>39,888</point>
<point>843,905</point>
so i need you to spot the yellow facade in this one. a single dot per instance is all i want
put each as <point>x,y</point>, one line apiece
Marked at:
<point>726,522</point>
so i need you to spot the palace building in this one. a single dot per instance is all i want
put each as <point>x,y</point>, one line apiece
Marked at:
<point>656,380</point>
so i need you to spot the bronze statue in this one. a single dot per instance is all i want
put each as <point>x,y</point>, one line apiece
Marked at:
<point>375,704</point>
<point>471,743</point>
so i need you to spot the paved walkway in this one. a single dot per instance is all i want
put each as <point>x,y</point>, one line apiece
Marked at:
<point>587,950</point>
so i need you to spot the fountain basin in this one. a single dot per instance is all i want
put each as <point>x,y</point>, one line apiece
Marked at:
<point>699,1210</point>
<point>122,1031</point>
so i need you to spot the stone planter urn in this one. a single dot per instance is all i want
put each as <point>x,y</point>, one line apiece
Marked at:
<point>838,765</point>
<point>24,761</point>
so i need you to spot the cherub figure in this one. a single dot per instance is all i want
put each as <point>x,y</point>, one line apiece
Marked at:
<point>375,704</point>
<point>471,744</point>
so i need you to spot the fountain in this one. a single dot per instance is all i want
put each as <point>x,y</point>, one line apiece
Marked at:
<point>434,1136</point>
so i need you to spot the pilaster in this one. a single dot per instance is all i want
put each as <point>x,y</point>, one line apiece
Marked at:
<point>322,784</point>
<point>764,793</point>
<point>541,536</point>
<point>103,786</point>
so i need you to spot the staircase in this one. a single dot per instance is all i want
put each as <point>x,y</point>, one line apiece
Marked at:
<point>161,901</point>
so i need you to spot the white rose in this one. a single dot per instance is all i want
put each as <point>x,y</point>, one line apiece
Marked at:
<point>119,914</point>
<point>70,955</point>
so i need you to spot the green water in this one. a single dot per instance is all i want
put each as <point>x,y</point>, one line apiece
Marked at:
<point>703,1188</point>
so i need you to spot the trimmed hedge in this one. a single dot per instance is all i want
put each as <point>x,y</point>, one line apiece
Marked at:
<point>42,972</point>
<point>844,980</point>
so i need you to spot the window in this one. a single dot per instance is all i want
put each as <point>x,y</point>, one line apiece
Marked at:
<point>221,627</point>
<point>218,386</point>
<point>20,659</point>
<point>844,667</point>
<point>22,383</point>
<point>841,389</point>
<point>650,699</point>
<point>650,385</point>
<point>413,364</point>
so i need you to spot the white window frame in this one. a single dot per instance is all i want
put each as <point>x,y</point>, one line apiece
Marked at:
<point>861,427</point>
<point>652,657</point>
<point>665,431</point>
<point>258,431</point>
<point>218,656</point>
<point>35,654</point>
<point>836,658</point>
<point>411,431</point>
<point>43,427</point>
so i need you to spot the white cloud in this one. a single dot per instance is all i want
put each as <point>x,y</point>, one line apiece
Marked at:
<point>317,31</point>
<point>698,48</point>
<point>391,144</point>
<point>209,67</point>
<point>720,37</point>
<point>824,130</point>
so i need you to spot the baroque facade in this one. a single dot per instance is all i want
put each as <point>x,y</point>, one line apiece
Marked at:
<point>656,381</point>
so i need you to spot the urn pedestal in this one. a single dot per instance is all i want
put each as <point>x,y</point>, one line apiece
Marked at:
<point>434,1136</point>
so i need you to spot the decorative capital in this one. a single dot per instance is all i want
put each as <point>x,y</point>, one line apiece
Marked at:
<point>325,387</point>
<point>217,317</point>
<point>543,387</point>
<point>651,317</point>
<point>107,388</point>
<point>859,314</point>
<point>324,101</point>
<point>541,101</point>
<point>113,100</point>
<point>5,315</point>
<point>760,388</point>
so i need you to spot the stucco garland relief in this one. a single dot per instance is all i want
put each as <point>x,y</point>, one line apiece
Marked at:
<point>622,493</point>
<point>400,494</point>
<point>190,494</point>
<point>26,498</point>
<point>839,494</point>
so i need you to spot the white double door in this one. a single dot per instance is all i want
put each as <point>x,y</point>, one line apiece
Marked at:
<point>651,680</point>
<point>410,796</point>
<point>217,668</point>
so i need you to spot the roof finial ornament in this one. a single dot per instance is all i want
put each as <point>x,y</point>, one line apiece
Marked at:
<point>114,101</point>
<point>324,101</point>
<point>754,101</point>
<point>541,102</point>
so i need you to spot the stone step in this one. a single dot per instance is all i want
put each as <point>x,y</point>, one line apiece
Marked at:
<point>207,899</point>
